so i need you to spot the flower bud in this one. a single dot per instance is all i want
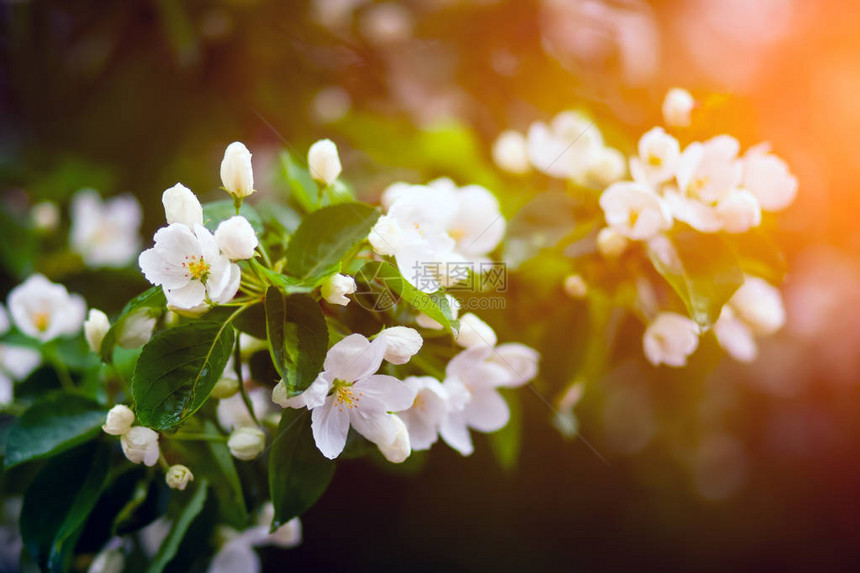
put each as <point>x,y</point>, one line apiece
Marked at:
<point>246,443</point>
<point>510,152</point>
<point>475,332</point>
<point>670,339</point>
<point>119,420</point>
<point>95,327</point>
<point>739,212</point>
<point>236,238</point>
<point>182,206</point>
<point>575,287</point>
<point>759,304</point>
<point>677,107</point>
<point>402,343</point>
<point>237,176</point>
<point>398,450</point>
<point>140,445</point>
<point>324,162</point>
<point>45,216</point>
<point>225,388</point>
<point>385,236</point>
<point>608,166</point>
<point>335,289</point>
<point>178,476</point>
<point>610,243</point>
<point>137,329</point>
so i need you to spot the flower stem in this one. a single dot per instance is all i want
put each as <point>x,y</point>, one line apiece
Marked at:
<point>237,203</point>
<point>188,437</point>
<point>59,367</point>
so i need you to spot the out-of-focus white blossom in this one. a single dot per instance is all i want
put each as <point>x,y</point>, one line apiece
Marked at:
<point>510,152</point>
<point>140,445</point>
<point>518,361</point>
<point>575,287</point>
<point>190,268</point>
<point>608,166</point>
<point>236,238</point>
<point>324,162</point>
<point>331,104</point>
<point>137,329</point>
<point>398,449</point>
<point>95,327</point>
<point>237,174</point>
<point>119,420</point>
<point>16,362</point>
<point>739,212</point>
<point>401,343</point>
<point>767,177</point>
<point>182,206</point>
<point>387,23</point>
<point>336,287</point>
<point>670,339</point>
<point>677,107</point>
<point>385,236</point>
<point>45,215</point>
<point>246,442</point>
<point>634,211</point>
<point>759,304</point>
<point>237,553</point>
<point>475,332</point>
<point>427,411</point>
<point>46,310</point>
<point>610,243</point>
<point>105,233</point>
<point>108,560</point>
<point>566,148</point>
<point>658,158</point>
<point>178,476</point>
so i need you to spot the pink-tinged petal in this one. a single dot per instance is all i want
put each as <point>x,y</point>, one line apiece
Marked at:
<point>392,394</point>
<point>330,426</point>
<point>455,432</point>
<point>487,411</point>
<point>187,297</point>
<point>519,363</point>
<point>159,272</point>
<point>378,427</point>
<point>313,397</point>
<point>354,358</point>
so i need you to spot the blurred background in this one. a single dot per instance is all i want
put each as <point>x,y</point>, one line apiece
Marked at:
<point>715,467</point>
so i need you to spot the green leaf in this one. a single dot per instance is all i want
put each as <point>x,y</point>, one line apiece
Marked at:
<point>298,473</point>
<point>151,301</point>
<point>325,237</point>
<point>217,211</point>
<point>170,545</point>
<point>58,501</point>
<point>758,255</point>
<point>177,370</point>
<point>298,338</point>
<point>304,189</point>
<point>507,442</point>
<point>286,283</point>
<point>388,287</point>
<point>52,425</point>
<point>705,275</point>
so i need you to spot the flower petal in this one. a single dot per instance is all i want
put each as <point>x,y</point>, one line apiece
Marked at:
<point>354,358</point>
<point>330,426</point>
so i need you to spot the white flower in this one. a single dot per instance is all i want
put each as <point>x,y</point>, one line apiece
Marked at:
<point>510,153</point>
<point>471,379</point>
<point>182,206</point>
<point>710,171</point>
<point>475,332</point>
<point>739,212</point>
<point>427,412</point>
<point>387,23</point>
<point>16,362</point>
<point>575,287</point>
<point>658,158</point>
<point>105,234</point>
<point>45,310</point>
<point>238,554</point>
<point>394,192</point>
<point>226,387</point>
<point>566,148</point>
<point>518,362</point>
<point>236,238</point>
<point>119,420</point>
<point>478,226</point>
<point>670,339</point>
<point>237,175</point>
<point>634,212</point>
<point>425,321</point>
<point>385,236</point>
<point>359,398</point>
<point>336,287</point>
<point>401,343</point>
<point>610,243</point>
<point>398,449</point>
<point>232,412</point>
<point>45,215</point>
<point>759,305</point>
<point>137,329</point>
<point>246,442</point>
<point>190,267</point>
<point>735,336</point>
<point>178,476</point>
<point>324,162</point>
<point>95,328</point>
<point>140,445</point>
<point>607,166</point>
<point>768,178</point>
<point>677,107</point>
<point>109,560</point>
